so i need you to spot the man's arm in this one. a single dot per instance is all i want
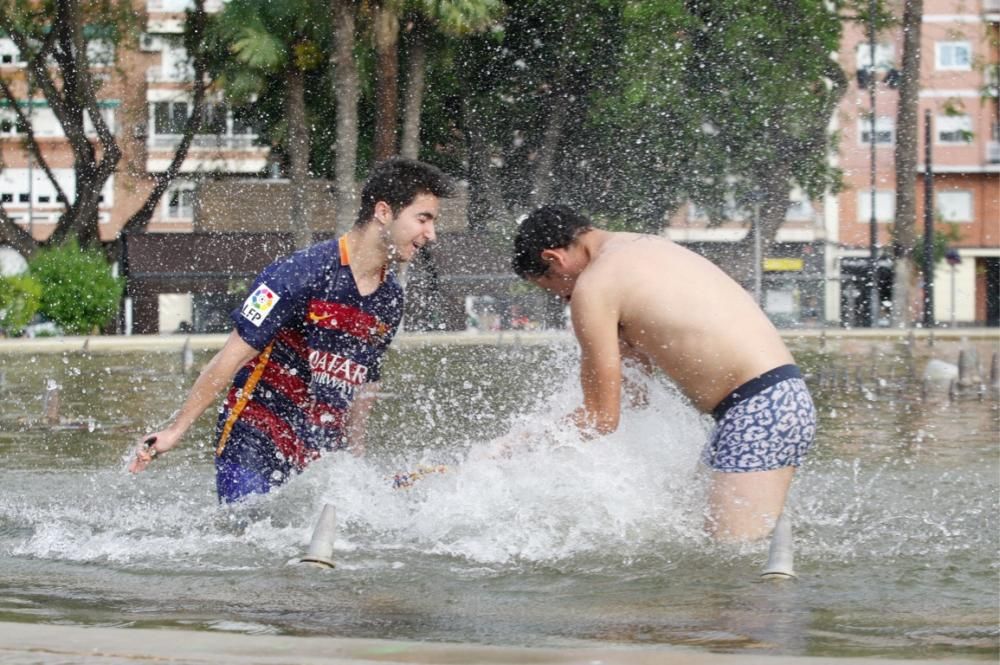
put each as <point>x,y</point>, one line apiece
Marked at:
<point>633,391</point>
<point>357,417</point>
<point>595,322</point>
<point>216,375</point>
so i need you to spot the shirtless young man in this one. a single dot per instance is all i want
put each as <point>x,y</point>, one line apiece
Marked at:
<point>647,297</point>
<point>304,358</point>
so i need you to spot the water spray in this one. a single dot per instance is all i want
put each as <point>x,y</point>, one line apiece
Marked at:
<point>320,552</point>
<point>781,557</point>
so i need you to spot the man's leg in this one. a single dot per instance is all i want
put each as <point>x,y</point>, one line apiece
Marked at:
<point>745,506</point>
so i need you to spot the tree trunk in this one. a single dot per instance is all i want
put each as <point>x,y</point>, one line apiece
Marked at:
<point>346,88</point>
<point>541,189</point>
<point>486,202</point>
<point>386,80</point>
<point>414,101</point>
<point>907,132</point>
<point>298,157</point>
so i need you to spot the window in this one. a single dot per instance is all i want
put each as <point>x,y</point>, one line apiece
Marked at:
<point>213,118</point>
<point>953,129</point>
<point>169,117</point>
<point>8,126</point>
<point>955,205</point>
<point>180,201</point>
<point>885,205</point>
<point>243,121</point>
<point>885,130</point>
<point>953,55</point>
<point>884,56</point>
<point>10,55</point>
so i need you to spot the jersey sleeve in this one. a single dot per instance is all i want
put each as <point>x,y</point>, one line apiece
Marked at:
<point>278,296</point>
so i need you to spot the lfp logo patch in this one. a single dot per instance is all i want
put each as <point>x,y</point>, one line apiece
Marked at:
<point>259,305</point>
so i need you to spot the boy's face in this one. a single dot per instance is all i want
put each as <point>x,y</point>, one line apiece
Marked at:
<point>561,276</point>
<point>406,233</point>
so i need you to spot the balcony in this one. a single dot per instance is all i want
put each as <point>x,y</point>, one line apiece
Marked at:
<point>160,74</point>
<point>205,142</point>
<point>180,6</point>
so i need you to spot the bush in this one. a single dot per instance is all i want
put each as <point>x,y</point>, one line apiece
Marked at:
<point>79,292</point>
<point>20,298</point>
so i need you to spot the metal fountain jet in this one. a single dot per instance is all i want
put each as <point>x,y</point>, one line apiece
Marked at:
<point>320,552</point>
<point>781,556</point>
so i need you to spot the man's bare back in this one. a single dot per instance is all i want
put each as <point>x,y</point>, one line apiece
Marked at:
<point>683,313</point>
<point>641,295</point>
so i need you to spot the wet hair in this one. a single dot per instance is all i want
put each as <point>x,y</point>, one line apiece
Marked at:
<point>398,181</point>
<point>548,227</point>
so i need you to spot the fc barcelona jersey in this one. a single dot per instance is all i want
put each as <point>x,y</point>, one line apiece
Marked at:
<point>319,340</point>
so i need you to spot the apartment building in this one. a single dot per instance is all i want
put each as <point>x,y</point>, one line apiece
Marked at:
<point>145,98</point>
<point>815,272</point>
<point>960,51</point>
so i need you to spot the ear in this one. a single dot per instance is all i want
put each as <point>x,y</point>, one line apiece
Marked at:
<point>554,257</point>
<point>383,212</point>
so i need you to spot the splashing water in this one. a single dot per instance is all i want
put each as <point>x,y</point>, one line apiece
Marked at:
<point>530,535</point>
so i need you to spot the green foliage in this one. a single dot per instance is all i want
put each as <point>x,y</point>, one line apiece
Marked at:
<point>79,292</point>
<point>20,297</point>
<point>942,241</point>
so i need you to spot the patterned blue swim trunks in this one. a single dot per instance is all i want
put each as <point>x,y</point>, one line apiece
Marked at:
<point>767,423</point>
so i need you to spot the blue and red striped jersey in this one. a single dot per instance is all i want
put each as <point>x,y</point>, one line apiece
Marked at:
<point>320,340</point>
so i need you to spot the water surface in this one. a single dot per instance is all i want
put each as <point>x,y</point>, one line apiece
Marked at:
<point>563,543</point>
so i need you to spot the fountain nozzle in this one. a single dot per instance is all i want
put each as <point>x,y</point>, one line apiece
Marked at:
<point>320,550</point>
<point>781,557</point>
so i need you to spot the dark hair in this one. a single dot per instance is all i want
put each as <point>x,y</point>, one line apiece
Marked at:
<point>548,227</point>
<point>398,181</point>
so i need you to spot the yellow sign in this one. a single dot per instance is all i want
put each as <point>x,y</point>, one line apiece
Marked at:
<point>783,264</point>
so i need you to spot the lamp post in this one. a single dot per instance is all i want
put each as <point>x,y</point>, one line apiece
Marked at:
<point>873,230</point>
<point>928,225</point>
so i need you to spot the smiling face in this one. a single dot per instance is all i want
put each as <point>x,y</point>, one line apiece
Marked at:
<point>406,233</point>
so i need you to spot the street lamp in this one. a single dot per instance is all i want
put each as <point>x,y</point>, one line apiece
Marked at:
<point>875,305</point>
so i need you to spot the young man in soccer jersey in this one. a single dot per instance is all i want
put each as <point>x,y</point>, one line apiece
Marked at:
<point>646,297</point>
<point>304,358</point>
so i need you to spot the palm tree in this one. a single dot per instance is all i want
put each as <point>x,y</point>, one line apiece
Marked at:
<point>347,87</point>
<point>451,18</point>
<point>278,43</point>
<point>907,131</point>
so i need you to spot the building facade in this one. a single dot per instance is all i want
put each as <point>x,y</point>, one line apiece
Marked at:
<point>958,89</point>
<point>815,273</point>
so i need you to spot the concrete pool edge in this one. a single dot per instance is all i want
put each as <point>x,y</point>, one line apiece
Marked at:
<point>46,643</point>
<point>113,343</point>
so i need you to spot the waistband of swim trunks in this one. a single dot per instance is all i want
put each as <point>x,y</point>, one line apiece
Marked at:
<point>754,386</point>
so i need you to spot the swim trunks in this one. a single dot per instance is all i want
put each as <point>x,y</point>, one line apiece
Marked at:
<point>767,423</point>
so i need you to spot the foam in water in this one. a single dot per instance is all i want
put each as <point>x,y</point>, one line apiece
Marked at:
<point>554,497</point>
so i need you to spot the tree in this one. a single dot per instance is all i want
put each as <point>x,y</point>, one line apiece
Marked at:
<point>522,92</point>
<point>450,19</point>
<point>56,40</point>
<point>278,44</point>
<point>385,32</point>
<point>907,132</point>
<point>79,292</point>
<point>346,91</point>
<point>721,103</point>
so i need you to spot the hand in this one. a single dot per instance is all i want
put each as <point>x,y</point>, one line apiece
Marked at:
<point>151,446</point>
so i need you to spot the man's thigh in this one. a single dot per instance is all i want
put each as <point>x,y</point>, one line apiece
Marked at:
<point>745,506</point>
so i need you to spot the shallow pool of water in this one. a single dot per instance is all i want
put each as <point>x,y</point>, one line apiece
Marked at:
<point>564,543</point>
